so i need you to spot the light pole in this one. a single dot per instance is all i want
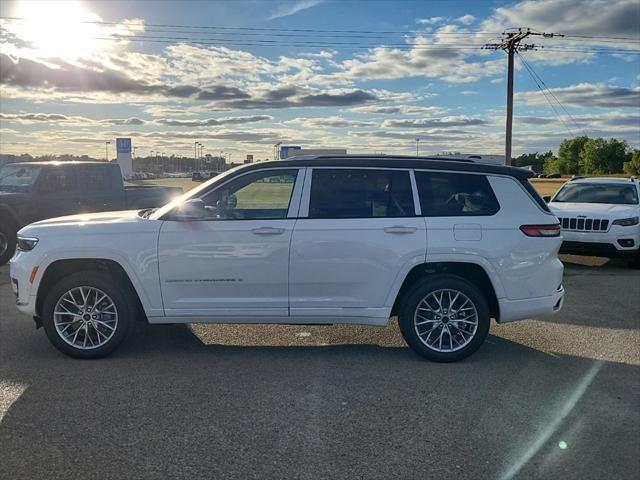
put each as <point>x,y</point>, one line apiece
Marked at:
<point>417,149</point>
<point>195,156</point>
<point>106,150</point>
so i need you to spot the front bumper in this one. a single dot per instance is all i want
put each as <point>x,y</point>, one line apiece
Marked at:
<point>617,242</point>
<point>539,307</point>
<point>596,250</point>
<point>21,268</point>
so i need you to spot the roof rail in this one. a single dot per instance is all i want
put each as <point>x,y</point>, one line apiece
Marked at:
<point>377,155</point>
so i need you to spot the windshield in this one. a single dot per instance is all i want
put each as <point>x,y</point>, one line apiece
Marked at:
<point>609,193</point>
<point>18,178</point>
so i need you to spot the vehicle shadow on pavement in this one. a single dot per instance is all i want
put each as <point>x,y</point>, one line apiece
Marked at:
<point>168,406</point>
<point>600,293</point>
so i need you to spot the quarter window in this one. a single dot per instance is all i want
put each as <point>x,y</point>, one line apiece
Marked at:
<point>98,178</point>
<point>455,194</point>
<point>360,193</point>
<point>259,195</point>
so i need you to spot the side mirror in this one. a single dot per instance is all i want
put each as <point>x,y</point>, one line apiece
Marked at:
<point>190,210</point>
<point>547,198</point>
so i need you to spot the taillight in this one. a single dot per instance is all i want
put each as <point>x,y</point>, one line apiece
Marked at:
<point>552,230</point>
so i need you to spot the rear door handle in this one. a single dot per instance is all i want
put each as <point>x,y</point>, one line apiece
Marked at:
<point>400,229</point>
<point>268,231</point>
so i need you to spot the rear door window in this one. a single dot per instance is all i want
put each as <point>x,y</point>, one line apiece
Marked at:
<point>97,178</point>
<point>360,193</point>
<point>455,194</point>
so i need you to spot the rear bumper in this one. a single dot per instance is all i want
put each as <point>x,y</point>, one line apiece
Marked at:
<point>539,307</point>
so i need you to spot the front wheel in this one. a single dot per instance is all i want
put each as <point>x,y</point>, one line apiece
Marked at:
<point>444,318</point>
<point>635,261</point>
<point>87,315</point>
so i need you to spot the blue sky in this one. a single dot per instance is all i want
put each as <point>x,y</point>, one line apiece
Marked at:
<point>370,76</point>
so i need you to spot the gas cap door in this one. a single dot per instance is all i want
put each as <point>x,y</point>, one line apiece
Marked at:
<point>467,232</point>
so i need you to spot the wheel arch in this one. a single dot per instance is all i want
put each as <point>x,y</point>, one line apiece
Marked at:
<point>8,215</point>
<point>58,269</point>
<point>469,271</point>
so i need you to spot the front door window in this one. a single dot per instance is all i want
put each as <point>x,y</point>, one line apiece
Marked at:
<point>255,196</point>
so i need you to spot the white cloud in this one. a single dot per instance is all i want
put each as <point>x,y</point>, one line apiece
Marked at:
<point>466,19</point>
<point>587,95</point>
<point>431,20</point>
<point>398,109</point>
<point>288,8</point>
<point>329,122</point>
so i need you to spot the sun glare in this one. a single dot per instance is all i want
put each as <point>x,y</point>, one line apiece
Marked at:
<point>58,28</point>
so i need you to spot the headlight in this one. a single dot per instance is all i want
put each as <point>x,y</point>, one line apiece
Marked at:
<point>26,243</point>
<point>627,222</point>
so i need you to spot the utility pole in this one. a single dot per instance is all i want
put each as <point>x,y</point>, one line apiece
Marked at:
<point>195,155</point>
<point>511,44</point>
<point>417,142</point>
<point>106,150</point>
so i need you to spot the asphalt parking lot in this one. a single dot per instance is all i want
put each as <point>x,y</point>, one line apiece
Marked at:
<point>541,399</point>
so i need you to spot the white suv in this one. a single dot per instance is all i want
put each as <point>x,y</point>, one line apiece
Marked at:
<point>444,245</point>
<point>600,216</point>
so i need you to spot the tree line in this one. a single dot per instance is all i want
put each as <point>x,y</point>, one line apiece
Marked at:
<point>585,156</point>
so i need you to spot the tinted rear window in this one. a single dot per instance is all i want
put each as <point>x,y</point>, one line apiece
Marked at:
<point>360,193</point>
<point>455,194</point>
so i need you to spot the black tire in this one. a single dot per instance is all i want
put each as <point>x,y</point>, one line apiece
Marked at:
<point>8,238</point>
<point>422,289</point>
<point>120,296</point>
<point>635,261</point>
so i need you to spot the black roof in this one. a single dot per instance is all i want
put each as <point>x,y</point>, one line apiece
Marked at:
<point>395,161</point>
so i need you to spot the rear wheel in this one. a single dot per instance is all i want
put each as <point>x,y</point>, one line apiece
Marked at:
<point>444,318</point>
<point>8,240</point>
<point>87,315</point>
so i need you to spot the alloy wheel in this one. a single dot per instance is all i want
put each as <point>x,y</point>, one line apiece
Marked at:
<point>446,320</point>
<point>85,317</point>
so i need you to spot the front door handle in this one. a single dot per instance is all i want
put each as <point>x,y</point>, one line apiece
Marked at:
<point>268,231</point>
<point>400,229</point>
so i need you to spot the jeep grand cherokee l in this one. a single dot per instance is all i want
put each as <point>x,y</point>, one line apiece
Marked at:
<point>445,245</point>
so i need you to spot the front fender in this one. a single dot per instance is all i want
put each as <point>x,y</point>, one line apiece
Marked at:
<point>145,280</point>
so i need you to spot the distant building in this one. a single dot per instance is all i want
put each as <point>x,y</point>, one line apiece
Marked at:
<point>217,164</point>
<point>249,159</point>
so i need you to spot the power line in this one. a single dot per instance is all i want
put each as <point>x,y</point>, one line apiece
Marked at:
<point>260,42</point>
<point>301,30</point>
<point>532,71</point>
<point>526,65</point>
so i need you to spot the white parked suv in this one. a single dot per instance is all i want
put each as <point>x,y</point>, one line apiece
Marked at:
<point>600,217</point>
<point>444,245</point>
